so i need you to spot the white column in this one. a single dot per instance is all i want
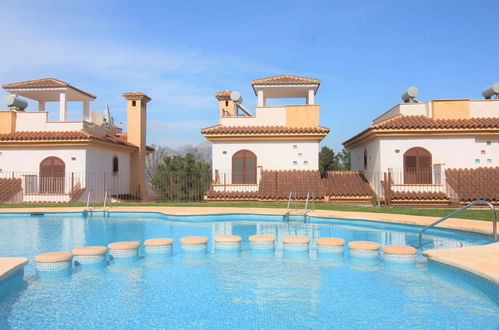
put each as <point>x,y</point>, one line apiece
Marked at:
<point>310,98</point>
<point>63,105</point>
<point>261,100</point>
<point>41,105</point>
<point>86,110</point>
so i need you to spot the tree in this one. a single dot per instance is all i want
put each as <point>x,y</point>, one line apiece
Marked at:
<point>181,178</point>
<point>329,161</point>
<point>345,159</point>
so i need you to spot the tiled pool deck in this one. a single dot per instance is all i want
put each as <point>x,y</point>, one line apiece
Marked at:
<point>480,260</point>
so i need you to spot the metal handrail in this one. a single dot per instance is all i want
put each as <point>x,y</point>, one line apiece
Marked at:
<point>494,219</point>
<point>289,200</point>
<point>310,193</point>
<point>105,201</point>
<point>88,198</point>
<point>291,192</point>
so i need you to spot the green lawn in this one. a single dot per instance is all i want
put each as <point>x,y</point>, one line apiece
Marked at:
<point>482,214</point>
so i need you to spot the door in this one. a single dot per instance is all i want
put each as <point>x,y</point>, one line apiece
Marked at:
<point>417,166</point>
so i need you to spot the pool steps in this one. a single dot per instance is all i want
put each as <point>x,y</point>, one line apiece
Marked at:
<point>326,246</point>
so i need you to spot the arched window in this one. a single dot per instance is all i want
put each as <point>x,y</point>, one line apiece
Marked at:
<point>116,165</point>
<point>417,166</point>
<point>244,167</point>
<point>52,175</point>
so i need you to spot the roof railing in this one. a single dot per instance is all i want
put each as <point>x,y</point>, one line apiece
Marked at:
<point>493,214</point>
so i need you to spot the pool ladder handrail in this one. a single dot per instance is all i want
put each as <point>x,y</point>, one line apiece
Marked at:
<point>88,208</point>
<point>291,192</point>
<point>106,194</point>
<point>310,193</point>
<point>494,220</point>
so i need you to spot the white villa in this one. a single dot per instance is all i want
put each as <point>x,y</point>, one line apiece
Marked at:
<point>412,147</point>
<point>47,159</point>
<point>279,138</point>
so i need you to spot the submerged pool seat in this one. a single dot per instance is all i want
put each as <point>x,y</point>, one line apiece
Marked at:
<point>228,243</point>
<point>54,261</point>
<point>262,243</point>
<point>330,245</point>
<point>194,243</point>
<point>127,249</point>
<point>295,243</point>
<point>399,254</point>
<point>363,248</point>
<point>87,255</point>
<point>158,246</point>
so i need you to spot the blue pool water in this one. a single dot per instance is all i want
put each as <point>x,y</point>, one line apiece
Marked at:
<point>243,291</point>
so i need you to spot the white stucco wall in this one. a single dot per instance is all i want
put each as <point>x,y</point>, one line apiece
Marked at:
<point>484,108</point>
<point>453,152</point>
<point>278,155</point>
<point>373,156</point>
<point>26,160</point>
<point>265,116</point>
<point>37,121</point>
<point>99,164</point>
<point>89,166</point>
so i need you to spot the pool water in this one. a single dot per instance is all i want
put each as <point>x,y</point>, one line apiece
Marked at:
<point>243,291</point>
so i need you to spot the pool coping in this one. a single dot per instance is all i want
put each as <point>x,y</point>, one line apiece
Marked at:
<point>9,267</point>
<point>478,259</point>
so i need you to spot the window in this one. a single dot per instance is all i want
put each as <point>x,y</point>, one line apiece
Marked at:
<point>417,166</point>
<point>300,154</point>
<point>305,162</point>
<point>489,161</point>
<point>365,159</point>
<point>52,175</point>
<point>295,146</point>
<point>482,152</point>
<point>295,162</point>
<point>244,167</point>
<point>477,161</point>
<point>489,143</point>
<point>226,103</point>
<point>116,165</point>
<point>134,103</point>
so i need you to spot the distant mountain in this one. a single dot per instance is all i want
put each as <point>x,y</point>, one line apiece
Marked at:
<point>202,151</point>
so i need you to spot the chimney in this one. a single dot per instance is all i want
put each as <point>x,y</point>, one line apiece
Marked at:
<point>136,134</point>
<point>227,106</point>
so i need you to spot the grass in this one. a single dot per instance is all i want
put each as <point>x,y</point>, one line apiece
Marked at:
<point>480,214</point>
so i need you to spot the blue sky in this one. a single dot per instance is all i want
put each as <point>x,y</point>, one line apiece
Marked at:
<point>181,52</point>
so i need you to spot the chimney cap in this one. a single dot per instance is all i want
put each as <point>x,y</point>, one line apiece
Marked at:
<point>223,95</point>
<point>137,96</point>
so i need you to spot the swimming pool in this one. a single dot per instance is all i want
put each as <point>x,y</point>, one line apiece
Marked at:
<point>244,291</point>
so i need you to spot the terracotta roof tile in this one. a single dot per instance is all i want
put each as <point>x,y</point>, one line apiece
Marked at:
<point>136,96</point>
<point>9,188</point>
<point>43,83</point>
<point>223,95</point>
<point>222,130</point>
<point>419,195</point>
<point>286,80</point>
<point>278,184</point>
<point>346,183</point>
<point>473,184</point>
<point>62,136</point>
<point>423,122</point>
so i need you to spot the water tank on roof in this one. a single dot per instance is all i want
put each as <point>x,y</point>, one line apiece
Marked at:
<point>410,94</point>
<point>15,102</point>
<point>490,91</point>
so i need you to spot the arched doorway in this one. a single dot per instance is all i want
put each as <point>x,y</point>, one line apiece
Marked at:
<point>52,175</point>
<point>244,167</point>
<point>417,166</point>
